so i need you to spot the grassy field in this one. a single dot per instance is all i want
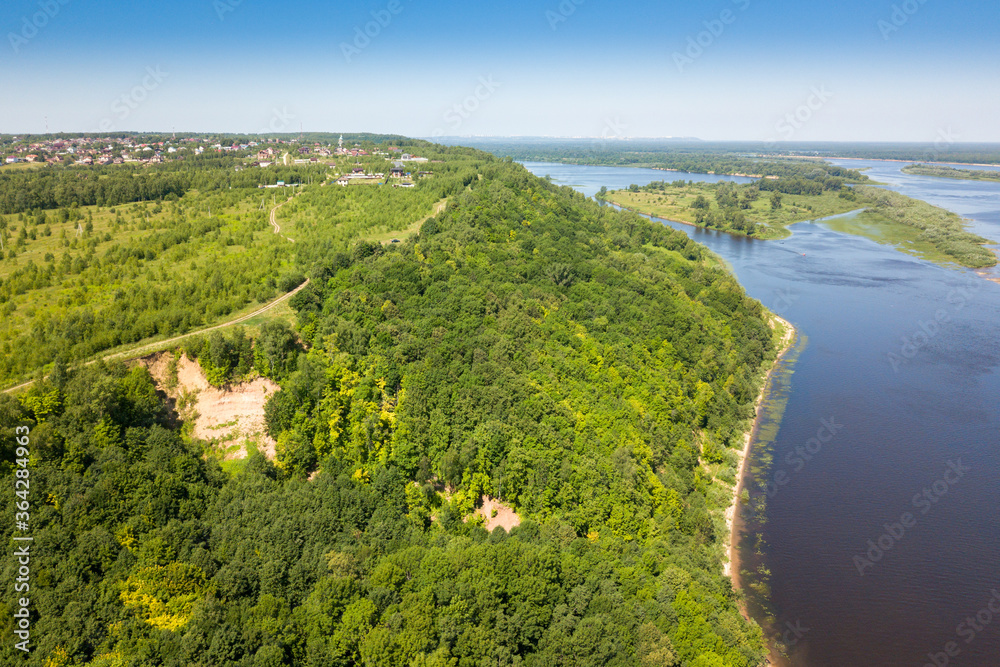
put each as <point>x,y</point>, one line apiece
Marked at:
<point>675,203</point>
<point>927,225</point>
<point>385,238</point>
<point>882,230</point>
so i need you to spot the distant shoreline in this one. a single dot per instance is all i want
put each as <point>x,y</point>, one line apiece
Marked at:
<point>886,159</point>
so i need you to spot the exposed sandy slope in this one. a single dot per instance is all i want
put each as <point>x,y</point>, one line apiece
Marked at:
<point>506,517</point>
<point>232,416</point>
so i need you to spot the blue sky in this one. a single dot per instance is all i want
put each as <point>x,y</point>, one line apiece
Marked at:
<point>725,69</point>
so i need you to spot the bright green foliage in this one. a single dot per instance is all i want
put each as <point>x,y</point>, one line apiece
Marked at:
<point>194,244</point>
<point>573,361</point>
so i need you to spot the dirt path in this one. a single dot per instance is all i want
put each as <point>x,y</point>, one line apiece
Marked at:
<point>146,349</point>
<point>385,238</point>
<point>274,217</point>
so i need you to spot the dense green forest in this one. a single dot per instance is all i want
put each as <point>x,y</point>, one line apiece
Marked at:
<point>589,368</point>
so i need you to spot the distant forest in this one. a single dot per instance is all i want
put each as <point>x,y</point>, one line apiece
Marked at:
<point>648,152</point>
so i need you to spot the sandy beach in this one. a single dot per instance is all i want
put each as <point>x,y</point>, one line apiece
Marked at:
<point>731,567</point>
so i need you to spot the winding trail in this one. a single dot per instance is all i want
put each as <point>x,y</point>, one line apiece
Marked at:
<point>274,216</point>
<point>145,349</point>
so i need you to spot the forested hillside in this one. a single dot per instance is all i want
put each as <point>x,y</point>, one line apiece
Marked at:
<point>589,368</point>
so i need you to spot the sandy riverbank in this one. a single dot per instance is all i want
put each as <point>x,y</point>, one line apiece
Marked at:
<point>731,567</point>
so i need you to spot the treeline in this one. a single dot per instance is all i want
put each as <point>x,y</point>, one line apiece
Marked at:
<point>697,159</point>
<point>813,183</point>
<point>580,364</point>
<point>634,152</point>
<point>64,187</point>
<point>61,187</point>
<point>944,150</point>
<point>787,170</point>
<point>228,357</point>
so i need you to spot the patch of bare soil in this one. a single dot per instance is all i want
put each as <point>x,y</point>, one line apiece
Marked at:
<point>231,417</point>
<point>504,516</point>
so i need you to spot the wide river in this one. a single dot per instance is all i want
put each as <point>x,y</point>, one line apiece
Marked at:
<point>875,538</point>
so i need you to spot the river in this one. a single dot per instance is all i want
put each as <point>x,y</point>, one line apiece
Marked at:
<point>878,489</point>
